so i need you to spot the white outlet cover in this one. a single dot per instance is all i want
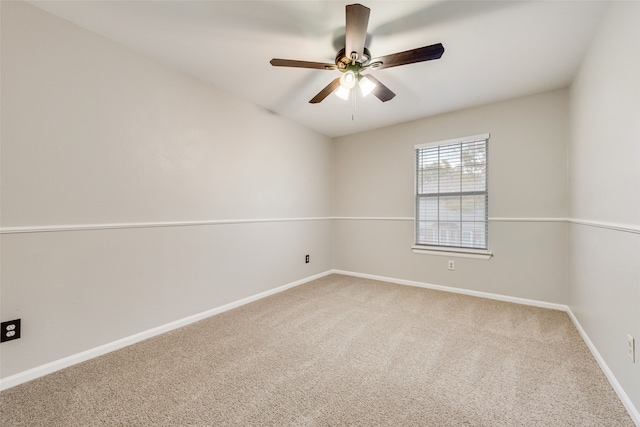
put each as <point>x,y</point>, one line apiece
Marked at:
<point>631,350</point>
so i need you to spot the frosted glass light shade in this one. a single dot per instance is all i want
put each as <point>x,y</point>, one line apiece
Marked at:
<point>343,93</point>
<point>366,85</point>
<point>348,79</point>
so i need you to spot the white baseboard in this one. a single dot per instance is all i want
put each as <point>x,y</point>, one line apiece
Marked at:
<point>48,368</point>
<point>631,409</point>
<point>524,301</point>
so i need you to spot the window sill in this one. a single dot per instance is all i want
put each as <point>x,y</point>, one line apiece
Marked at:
<point>452,252</point>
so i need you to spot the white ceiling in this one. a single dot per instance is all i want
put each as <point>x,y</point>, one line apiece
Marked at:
<point>494,50</point>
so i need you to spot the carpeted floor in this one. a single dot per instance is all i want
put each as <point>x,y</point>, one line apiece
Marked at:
<point>338,351</point>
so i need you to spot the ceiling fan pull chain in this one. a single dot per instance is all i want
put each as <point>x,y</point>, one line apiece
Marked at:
<point>355,104</point>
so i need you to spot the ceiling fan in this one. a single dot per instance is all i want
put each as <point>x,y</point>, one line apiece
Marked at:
<point>355,59</point>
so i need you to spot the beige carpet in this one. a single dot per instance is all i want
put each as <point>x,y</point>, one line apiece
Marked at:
<point>338,351</point>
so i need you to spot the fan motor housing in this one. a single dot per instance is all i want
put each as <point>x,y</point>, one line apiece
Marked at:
<point>343,61</point>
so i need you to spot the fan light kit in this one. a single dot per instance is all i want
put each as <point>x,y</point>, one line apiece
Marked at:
<point>358,60</point>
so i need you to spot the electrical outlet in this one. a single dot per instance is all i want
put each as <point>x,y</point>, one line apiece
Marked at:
<point>631,348</point>
<point>10,330</point>
<point>452,265</point>
<point>306,259</point>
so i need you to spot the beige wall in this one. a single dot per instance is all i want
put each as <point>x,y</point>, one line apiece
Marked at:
<point>373,194</point>
<point>96,135</point>
<point>604,290</point>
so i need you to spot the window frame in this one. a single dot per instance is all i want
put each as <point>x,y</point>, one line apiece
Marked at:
<point>442,249</point>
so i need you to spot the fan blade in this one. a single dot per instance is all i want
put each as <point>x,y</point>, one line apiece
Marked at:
<point>326,91</point>
<point>426,53</point>
<point>381,92</point>
<point>301,64</point>
<point>356,29</point>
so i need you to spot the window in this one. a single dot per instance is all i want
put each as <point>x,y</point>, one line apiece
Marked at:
<point>451,195</point>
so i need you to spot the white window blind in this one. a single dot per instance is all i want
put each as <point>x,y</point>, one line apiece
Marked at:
<point>451,193</point>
